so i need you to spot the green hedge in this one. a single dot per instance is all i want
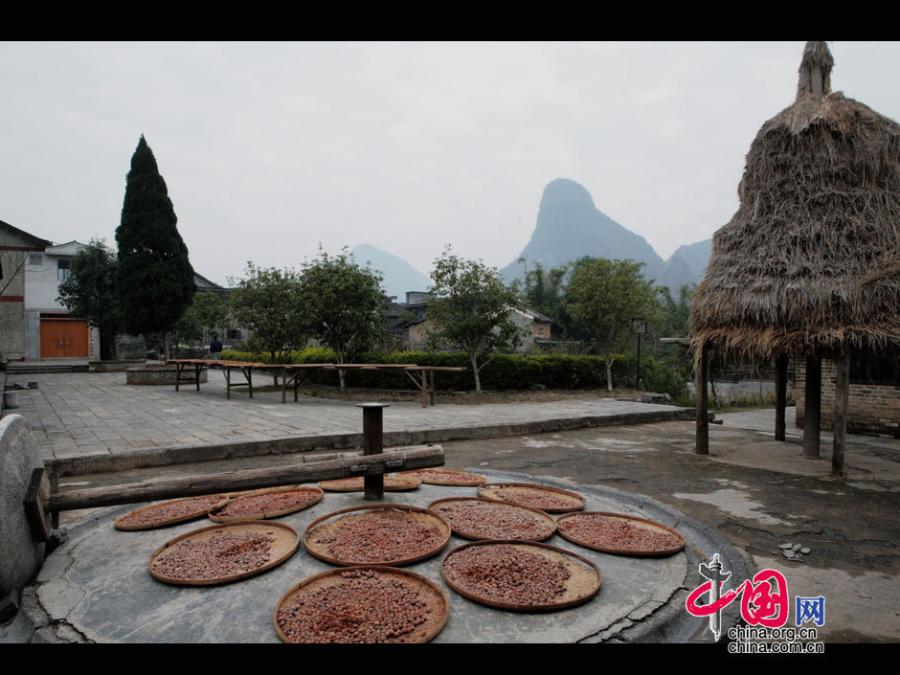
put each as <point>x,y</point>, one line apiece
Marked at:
<point>505,371</point>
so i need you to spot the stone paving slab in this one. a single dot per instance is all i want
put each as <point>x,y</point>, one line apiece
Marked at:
<point>93,415</point>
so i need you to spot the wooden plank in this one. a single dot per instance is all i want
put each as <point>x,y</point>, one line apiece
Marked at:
<point>781,368</point>
<point>36,513</point>
<point>700,393</point>
<point>841,402</point>
<point>399,459</point>
<point>812,419</point>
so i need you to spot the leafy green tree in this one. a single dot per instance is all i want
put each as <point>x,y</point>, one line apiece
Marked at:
<point>543,290</point>
<point>676,313</point>
<point>268,303</point>
<point>90,292</point>
<point>602,298</point>
<point>155,280</point>
<point>207,313</point>
<point>344,305</point>
<point>470,310</point>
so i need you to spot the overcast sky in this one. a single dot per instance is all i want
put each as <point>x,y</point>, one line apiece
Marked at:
<point>270,148</point>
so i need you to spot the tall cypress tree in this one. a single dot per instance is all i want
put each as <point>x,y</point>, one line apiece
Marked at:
<point>155,278</point>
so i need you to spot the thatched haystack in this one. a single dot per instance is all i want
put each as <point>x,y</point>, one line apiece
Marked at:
<point>811,260</point>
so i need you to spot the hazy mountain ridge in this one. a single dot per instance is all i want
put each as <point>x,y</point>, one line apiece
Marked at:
<point>569,226</point>
<point>399,275</point>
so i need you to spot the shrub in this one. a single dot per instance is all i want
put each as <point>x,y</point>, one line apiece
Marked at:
<point>504,372</point>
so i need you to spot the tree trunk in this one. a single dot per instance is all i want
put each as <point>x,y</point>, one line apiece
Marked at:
<point>151,345</point>
<point>609,382</point>
<point>474,360</point>
<point>107,344</point>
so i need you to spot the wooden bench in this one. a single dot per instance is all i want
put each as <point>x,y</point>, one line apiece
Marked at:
<point>293,375</point>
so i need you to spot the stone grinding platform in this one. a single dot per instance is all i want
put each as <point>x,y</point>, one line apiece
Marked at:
<point>96,586</point>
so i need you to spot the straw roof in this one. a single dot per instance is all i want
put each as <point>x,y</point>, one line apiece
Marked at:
<point>811,259</point>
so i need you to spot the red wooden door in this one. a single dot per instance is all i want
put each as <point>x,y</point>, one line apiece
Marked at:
<point>64,338</point>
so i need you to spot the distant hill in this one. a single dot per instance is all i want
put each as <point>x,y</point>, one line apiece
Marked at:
<point>399,275</point>
<point>569,226</point>
<point>686,265</point>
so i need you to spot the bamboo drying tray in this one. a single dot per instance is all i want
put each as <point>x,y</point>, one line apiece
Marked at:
<point>287,540</point>
<point>436,477</point>
<point>583,584</point>
<point>321,528</point>
<point>393,482</point>
<point>493,491</point>
<point>475,535</point>
<point>436,597</point>
<point>636,553</point>
<point>121,524</point>
<point>217,515</point>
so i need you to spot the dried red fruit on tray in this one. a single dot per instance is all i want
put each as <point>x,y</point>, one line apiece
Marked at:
<point>620,534</point>
<point>474,518</point>
<point>551,500</point>
<point>393,482</point>
<point>267,505</point>
<point>362,605</point>
<point>169,513</point>
<point>384,535</point>
<point>521,576</point>
<point>450,477</point>
<point>223,553</point>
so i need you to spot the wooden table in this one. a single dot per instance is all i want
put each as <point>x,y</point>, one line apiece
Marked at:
<point>423,378</point>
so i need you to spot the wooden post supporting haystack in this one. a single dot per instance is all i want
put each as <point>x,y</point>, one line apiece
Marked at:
<point>841,401</point>
<point>812,414</point>
<point>701,376</point>
<point>781,369</point>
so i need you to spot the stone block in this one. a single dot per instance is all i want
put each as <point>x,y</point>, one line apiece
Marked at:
<point>20,555</point>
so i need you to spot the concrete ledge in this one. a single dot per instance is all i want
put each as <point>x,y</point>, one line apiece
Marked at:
<point>113,366</point>
<point>182,454</point>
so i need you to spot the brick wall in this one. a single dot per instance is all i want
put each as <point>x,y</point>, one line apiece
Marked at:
<point>873,409</point>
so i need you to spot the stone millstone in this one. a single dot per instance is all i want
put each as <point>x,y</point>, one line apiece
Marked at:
<point>20,555</point>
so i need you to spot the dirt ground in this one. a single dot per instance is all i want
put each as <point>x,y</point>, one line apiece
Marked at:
<point>851,525</point>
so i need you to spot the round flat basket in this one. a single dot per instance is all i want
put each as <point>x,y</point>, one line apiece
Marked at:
<point>449,477</point>
<point>262,491</point>
<point>547,499</point>
<point>383,534</point>
<point>267,505</point>
<point>220,554</point>
<point>521,576</point>
<point>162,514</point>
<point>368,603</point>
<point>393,482</point>
<point>620,534</point>
<point>479,519</point>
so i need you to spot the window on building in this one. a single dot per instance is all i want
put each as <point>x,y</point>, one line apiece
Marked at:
<point>63,269</point>
<point>233,334</point>
<point>35,258</point>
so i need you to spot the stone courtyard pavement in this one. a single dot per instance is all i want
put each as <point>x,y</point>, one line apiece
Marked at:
<point>85,414</point>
